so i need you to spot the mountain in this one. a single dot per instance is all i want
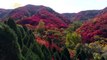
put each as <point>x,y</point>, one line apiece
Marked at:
<point>25,11</point>
<point>70,16</point>
<point>95,27</point>
<point>31,14</point>
<point>102,11</point>
<point>49,16</point>
<point>34,14</point>
<point>4,12</point>
<point>82,15</point>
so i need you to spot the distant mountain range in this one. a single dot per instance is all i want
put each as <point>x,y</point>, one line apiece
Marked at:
<point>82,16</point>
<point>31,14</point>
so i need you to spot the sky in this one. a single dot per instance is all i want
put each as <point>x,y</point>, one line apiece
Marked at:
<point>61,6</point>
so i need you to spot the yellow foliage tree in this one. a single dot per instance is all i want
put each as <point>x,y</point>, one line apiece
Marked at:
<point>40,27</point>
<point>72,39</point>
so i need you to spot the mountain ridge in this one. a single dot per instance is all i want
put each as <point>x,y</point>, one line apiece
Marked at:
<point>34,13</point>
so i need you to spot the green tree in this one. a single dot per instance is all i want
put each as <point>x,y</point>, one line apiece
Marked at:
<point>74,25</point>
<point>18,43</point>
<point>72,39</point>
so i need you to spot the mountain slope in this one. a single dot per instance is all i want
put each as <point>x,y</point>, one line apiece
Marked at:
<point>97,26</point>
<point>82,16</point>
<point>50,18</point>
<point>35,14</point>
<point>4,12</point>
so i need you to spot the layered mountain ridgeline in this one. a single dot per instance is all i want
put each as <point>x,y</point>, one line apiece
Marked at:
<point>21,12</point>
<point>82,16</point>
<point>31,14</point>
<point>49,16</point>
<point>30,10</point>
<point>96,28</point>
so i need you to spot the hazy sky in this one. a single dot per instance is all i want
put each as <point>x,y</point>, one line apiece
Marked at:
<point>60,6</point>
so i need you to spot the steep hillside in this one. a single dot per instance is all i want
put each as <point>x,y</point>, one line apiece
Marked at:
<point>49,16</point>
<point>50,20</point>
<point>34,14</point>
<point>97,26</point>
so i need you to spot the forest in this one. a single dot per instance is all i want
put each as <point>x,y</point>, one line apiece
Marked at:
<point>44,34</point>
